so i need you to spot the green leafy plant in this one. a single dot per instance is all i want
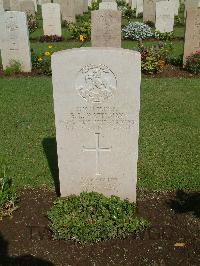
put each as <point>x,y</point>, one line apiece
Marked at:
<point>41,62</point>
<point>137,31</point>
<point>193,63</point>
<point>179,21</point>
<point>76,30</point>
<point>95,4</point>
<point>13,68</point>
<point>8,195</point>
<point>176,60</point>
<point>32,23</point>
<point>92,217</point>
<point>154,58</point>
<point>166,36</point>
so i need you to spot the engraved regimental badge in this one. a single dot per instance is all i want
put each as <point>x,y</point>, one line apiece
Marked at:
<point>96,83</point>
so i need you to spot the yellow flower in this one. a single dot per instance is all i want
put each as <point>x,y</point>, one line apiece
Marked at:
<point>39,59</point>
<point>81,38</point>
<point>47,53</point>
<point>50,46</point>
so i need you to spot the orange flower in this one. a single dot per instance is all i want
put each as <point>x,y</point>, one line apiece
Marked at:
<point>81,38</point>
<point>40,59</point>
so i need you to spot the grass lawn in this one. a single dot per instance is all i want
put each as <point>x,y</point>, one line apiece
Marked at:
<point>169,149</point>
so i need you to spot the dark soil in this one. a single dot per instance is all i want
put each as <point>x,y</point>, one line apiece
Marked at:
<point>175,218</point>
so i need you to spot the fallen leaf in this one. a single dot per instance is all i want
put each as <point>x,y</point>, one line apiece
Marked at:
<point>180,245</point>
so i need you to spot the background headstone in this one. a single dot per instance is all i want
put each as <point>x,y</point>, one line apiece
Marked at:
<point>1,5</point>
<point>79,7</point>
<point>149,12</point>
<point>139,7</point>
<point>15,40</point>
<point>6,4</point>
<point>108,5</point>
<point>97,120</point>
<point>67,10</point>
<point>164,16</point>
<point>51,19</point>
<point>28,7</point>
<point>192,33</point>
<point>132,3</point>
<point>106,28</point>
<point>15,5</point>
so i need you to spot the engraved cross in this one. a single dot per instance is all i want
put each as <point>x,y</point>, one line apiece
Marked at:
<point>98,150</point>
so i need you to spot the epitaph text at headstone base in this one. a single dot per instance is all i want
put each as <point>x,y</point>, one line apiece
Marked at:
<point>97,120</point>
<point>192,33</point>
<point>15,40</point>
<point>51,19</point>
<point>106,28</point>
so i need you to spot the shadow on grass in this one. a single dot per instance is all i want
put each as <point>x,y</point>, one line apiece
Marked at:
<point>50,149</point>
<point>186,202</point>
<point>29,260</point>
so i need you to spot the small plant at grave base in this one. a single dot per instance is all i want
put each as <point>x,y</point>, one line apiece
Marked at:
<point>178,21</point>
<point>76,30</point>
<point>8,195</point>
<point>164,36</point>
<point>155,58</point>
<point>95,4</point>
<point>51,38</point>
<point>176,61</point>
<point>92,217</point>
<point>13,68</point>
<point>41,62</point>
<point>32,23</point>
<point>193,63</point>
<point>137,31</point>
<point>150,23</point>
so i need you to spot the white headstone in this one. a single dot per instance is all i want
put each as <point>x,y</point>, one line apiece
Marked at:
<point>15,40</point>
<point>97,107</point>
<point>15,5</point>
<point>51,19</point>
<point>108,5</point>
<point>106,28</point>
<point>176,5</point>
<point>164,16</point>
<point>1,5</point>
<point>139,7</point>
<point>67,10</point>
<point>28,7</point>
<point>79,6</point>
<point>133,4</point>
<point>149,13</point>
<point>6,4</point>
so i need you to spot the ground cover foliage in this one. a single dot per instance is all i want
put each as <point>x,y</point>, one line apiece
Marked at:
<point>92,217</point>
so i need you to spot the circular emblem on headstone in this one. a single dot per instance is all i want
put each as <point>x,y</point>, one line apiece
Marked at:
<point>96,83</point>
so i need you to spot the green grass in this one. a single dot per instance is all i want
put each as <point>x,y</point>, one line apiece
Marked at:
<point>169,149</point>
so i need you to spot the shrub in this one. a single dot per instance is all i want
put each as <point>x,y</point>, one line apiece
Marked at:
<point>51,38</point>
<point>137,31</point>
<point>41,62</point>
<point>179,21</point>
<point>193,63</point>
<point>76,30</point>
<point>32,23</point>
<point>164,36</point>
<point>176,61</point>
<point>154,58</point>
<point>95,4</point>
<point>150,23</point>
<point>8,195</point>
<point>13,68</point>
<point>92,217</point>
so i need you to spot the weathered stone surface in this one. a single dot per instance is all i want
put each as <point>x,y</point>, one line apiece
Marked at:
<point>51,19</point>
<point>192,34</point>
<point>149,12</point>
<point>139,7</point>
<point>6,4</point>
<point>79,6</point>
<point>97,120</point>
<point>15,40</point>
<point>108,5</point>
<point>28,7</point>
<point>1,6</point>
<point>67,10</point>
<point>14,5</point>
<point>164,16</point>
<point>106,28</point>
